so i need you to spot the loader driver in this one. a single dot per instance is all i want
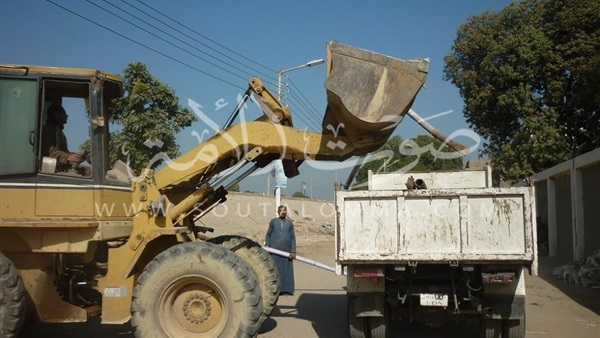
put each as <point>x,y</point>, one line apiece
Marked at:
<point>54,143</point>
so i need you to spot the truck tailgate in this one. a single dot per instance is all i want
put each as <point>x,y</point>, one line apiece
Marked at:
<point>466,225</point>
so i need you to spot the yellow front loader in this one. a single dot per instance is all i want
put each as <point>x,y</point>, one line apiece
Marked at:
<point>128,248</point>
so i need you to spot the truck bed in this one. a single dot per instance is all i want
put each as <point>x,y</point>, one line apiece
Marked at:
<point>470,225</point>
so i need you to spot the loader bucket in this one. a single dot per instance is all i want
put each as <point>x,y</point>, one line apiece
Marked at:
<point>368,93</point>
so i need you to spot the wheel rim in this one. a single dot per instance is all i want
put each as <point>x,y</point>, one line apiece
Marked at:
<point>193,304</point>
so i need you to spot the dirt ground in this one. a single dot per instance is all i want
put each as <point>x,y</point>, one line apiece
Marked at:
<point>318,308</point>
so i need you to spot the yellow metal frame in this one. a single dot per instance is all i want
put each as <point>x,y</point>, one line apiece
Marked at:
<point>182,185</point>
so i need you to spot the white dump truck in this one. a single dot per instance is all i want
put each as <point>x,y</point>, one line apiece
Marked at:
<point>427,246</point>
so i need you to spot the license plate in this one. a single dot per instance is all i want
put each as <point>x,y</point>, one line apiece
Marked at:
<point>434,299</point>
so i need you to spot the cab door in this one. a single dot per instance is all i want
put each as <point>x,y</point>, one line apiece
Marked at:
<point>18,107</point>
<point>18,111</point>
<point>67,194</point>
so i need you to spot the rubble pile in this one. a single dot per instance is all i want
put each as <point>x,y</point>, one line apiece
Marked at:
<point>586,274</point>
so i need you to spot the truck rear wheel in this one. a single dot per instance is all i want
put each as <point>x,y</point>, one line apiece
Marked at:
<point>196,289</point>
<point>12,299</point>
<point>357,325</point>
<point>261,263</point>
<point>378,327</point>
<point>367,327</point>
<point>491,328</point>
<point>514,328</point>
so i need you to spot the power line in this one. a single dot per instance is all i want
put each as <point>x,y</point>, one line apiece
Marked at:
<point>307,100</point>
<point>303,120</point>
<point>164,40</point>
<point>312,119</point>
<point>306,109</point>
<point>207,38</point>
<point>303,109</point>
<point>166,33</point>
<point>298,114</point>
<point>146,46</point>
<point>195,40</point>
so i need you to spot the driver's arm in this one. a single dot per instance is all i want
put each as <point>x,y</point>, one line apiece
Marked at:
<point>50,144</point>
<point>64,157</point>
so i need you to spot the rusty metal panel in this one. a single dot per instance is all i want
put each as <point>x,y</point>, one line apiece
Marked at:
<point>368,93</point>
<point>370,226</point>
<point>367,88</point>
<point>434,180</point>
<point>430,225</point>
<point>495,224</point>
<point>468,225</point>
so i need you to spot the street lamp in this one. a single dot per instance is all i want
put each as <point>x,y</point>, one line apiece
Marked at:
<point>279,78</point>
<point>282,71</point>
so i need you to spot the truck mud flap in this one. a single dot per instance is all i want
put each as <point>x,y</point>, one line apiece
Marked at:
<point>506,300</point>
<point>505,306</point>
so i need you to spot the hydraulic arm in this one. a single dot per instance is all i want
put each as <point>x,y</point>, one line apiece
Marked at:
<point>368,94</point>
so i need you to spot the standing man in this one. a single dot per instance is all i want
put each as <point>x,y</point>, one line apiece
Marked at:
<point>281,236</point>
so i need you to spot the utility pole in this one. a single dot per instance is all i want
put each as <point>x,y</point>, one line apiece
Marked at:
<point>268,184</point>
<point>280,97</point>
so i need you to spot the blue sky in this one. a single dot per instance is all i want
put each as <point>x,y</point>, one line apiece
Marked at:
<point>277,34</point>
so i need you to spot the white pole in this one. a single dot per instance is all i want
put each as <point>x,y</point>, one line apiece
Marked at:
<point>277,199</point>
<point>300,258</point>
<point>268,184</point>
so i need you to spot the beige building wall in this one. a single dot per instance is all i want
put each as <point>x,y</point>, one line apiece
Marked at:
<point>591,205</point>
<point>568,201</point>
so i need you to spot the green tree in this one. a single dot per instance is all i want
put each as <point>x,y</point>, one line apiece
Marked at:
<point>147,119</point>
<point>235,188</point>
<point>422,153</point>
<point>530,78</point>
<point>298,194</point>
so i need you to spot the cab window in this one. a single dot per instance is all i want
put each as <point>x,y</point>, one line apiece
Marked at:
<point>18,106</point>
<point>118,172</point>
<point>65,145</point>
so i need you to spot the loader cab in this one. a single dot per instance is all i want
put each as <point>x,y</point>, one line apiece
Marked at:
<point>33,182</point>
<point>26,129</point>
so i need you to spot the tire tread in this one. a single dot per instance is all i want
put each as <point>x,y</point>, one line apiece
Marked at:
<point>262,263</point>
<point>13,302</point>
<point>143,322</point>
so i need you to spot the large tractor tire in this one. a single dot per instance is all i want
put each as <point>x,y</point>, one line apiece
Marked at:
<point>261,263</point>
<point>12,299</point>
<point>196,289</point>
